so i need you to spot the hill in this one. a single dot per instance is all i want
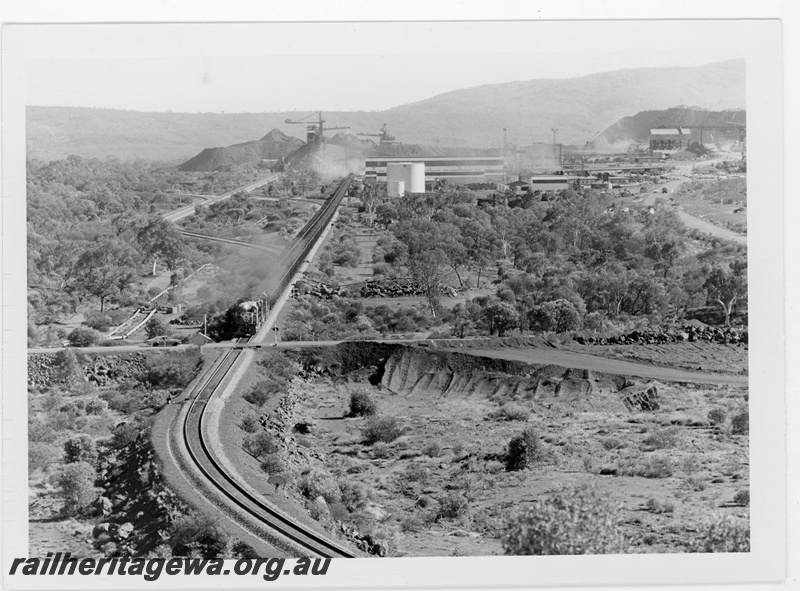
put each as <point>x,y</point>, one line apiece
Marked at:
<point>578,107</point>
<point>636,129</point>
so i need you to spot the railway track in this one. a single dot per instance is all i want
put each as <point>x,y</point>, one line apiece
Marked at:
<point>242,243</point>
<point>215,474</point>
<point>199,449</point>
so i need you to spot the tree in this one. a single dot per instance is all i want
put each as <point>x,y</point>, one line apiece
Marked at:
<point>161,239</point>
<point>260,444</point>
<point>76,484</point>
<point>156,327</point>
<point>725,286</point>
<point>557,316</point>
<point>500,317</point>
<point>428,271</point>
<point>106,270</point>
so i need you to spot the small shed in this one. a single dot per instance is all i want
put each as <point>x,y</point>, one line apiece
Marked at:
<point>199,339</point>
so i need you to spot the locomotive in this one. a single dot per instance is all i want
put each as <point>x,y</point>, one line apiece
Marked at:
<point>240,320</point>
<point>249,315</point>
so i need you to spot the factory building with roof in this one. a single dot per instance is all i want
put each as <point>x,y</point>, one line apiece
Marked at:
<point>453,169</point>
<point>669,140</point>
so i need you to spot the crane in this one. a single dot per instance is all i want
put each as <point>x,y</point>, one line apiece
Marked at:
<point>384,136</point>
<point>594,137</point>
<point>314,129</point>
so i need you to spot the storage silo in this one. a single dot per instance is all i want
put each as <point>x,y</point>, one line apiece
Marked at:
<point>412,174</point>
<point>395,188</point>
<point>415,180</point>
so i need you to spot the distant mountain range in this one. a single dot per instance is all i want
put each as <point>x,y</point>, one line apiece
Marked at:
<point>472,117</point>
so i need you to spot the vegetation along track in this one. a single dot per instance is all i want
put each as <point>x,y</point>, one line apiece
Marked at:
<point>214,472</point>
<point>194,439</point>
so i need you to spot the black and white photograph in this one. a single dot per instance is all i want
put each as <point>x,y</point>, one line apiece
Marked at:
<point>472,291</point>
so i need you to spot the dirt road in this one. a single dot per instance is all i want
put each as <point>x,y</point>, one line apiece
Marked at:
<point>605,365</point>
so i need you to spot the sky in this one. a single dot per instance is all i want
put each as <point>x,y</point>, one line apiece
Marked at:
<point>335,66</point>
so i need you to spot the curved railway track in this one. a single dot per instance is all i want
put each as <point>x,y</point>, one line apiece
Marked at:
<point>194,439</point>
<point>212,470</point>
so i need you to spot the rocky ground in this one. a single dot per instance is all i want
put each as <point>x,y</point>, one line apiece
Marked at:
<point>441,487</point>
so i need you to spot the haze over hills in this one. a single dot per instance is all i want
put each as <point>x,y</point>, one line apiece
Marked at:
<point>474,117</point>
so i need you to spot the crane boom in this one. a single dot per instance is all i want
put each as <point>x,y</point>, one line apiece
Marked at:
<point>314,130</point>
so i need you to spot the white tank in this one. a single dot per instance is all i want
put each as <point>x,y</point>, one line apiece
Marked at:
<point>395,188</point>
<point>412,174</point>
<point>415,181</point>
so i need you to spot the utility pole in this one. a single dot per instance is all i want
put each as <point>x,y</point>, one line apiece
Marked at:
<point>555,142</point>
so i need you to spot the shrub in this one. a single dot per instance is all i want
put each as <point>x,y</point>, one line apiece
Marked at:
<point>662,438</point>
<point>411,524</point>
<point>385,429</point>
<point>453,506</point>
<point>524,450</point>
<point>123,435</point>
<point>458,448</point>
<point>433,449</point>
<point>697,483</point>
<point>740,423</point>
<point>197,533</point>
<point>578,520</point>
<point>95,406</point>
<point>175,370</point>
<point>76,484</point>
<point>354,494</point>
<point>416,473</point>
<point>655,506</point>
<point>362,404</point>
<point>742,497</point>
<point>381,450</point>
<point>97,320</point>
<point>249,424</point>
<point>658,466</point>
<point>717,416</point>
<point>690,464</point>
<point>67,368</point>
<point>80,448</point>
<point>612,443</point>
<point>510,412</point>
<point>318,483</point>
<point>723,533</point>
<point>272,464</point>
<point>84,337</point>
<point>259,444</point>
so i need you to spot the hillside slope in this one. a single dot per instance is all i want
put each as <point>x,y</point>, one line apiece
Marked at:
<point>578,107</point>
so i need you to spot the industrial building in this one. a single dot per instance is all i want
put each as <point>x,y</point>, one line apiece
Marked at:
<point>535,158</point>
<point>669,140</point>
<point>453,169</point>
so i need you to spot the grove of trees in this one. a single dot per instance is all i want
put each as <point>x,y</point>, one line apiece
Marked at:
<point>575,260</point>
